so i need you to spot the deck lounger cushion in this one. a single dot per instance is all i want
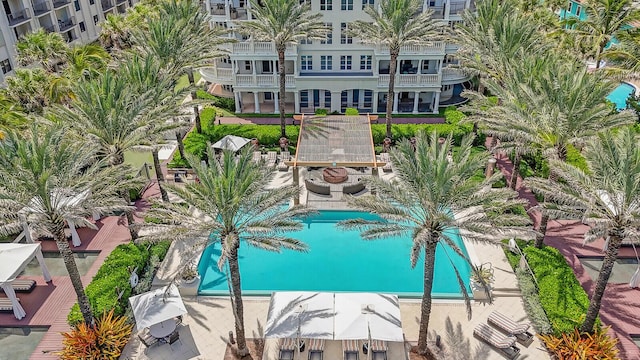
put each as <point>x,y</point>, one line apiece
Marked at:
<point>5,304</point>
<point>23,285</point>
<point>257,156</point>
<point>284,156</point>
<point>316,349</point>
<point>504,323</point>
<point>384,157</point>
<point>491,336</point>
<point>272,158</point>
<point>350,349</point>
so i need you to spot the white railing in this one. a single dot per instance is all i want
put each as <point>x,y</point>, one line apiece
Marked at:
<point>449,74</point>
<point>290,81</point>
<point>265,48</point>
<point>217,74</point>
<point>271,81</point>
<point>411,80</point>
<point>245,80</point>
<point>436,47</point>
<point>265,80</point>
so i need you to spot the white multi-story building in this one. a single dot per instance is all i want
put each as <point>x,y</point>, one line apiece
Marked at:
<point>338,72</point>
<point>75,20</point>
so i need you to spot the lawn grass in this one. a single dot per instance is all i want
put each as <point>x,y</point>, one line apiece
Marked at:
<point>183,82</point>
<point>136,159</point>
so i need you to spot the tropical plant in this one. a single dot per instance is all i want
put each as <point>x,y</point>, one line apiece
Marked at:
<point>11,115</point>
<point>624,57</point>
<point>30,88</point>
<point>43,47</point>
<point>606,20</point>
<point>104,340</point>
<point>396,23</point>
<point>606,196</point>
<point>283,23</point>
<point>50,178</point>
<point>431,199</point>
<point>582,345</point>
<point>85,61</point>
<point>230,205</point>
<point>115,32</point>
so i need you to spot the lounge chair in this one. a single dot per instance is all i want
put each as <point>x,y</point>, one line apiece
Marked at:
<point>384,157</point>
<point>272,158</point>
<point>502,343</point>
<point>350,349</point>
<point>257,156</point>
<point>284,156</point>
<point>23,285</point>
<point>287,349</point>
<point>5,304</point>
<point>510,327</point>
<point>316,349</point>
<point>378,350</point>
<point>147,339</point>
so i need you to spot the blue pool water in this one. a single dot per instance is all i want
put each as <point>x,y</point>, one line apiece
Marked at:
<point>337,260</point>
<point>620,94</point>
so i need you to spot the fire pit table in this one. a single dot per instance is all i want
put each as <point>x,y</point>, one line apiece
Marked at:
<point>335,175</point>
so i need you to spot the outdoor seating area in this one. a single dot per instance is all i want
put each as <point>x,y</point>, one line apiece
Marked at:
<point>506,344</point>
<point>510,327</point>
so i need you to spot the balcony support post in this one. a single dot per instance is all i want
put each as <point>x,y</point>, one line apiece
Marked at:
<point>395,102</point>
<point>436,102</point>
<point>276,107</point>
<point>236,97</point>
<point>256,102</point>
<point>416,99</point>
<point>375,102</point>
<point>296,99</point>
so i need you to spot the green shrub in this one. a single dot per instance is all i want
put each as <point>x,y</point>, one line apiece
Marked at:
<point>321,112</point>
<point>453,116</point>
<point>406,131</point>
<point>351,112</point>
<point>207,117</point>
<point>113,278</point>
<point>575,158</point>
<point>224,103</point>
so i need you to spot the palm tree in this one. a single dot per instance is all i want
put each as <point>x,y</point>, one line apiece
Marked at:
<point>45,48</point>
<point>283,23</point>
<point>395,24</point>
<point>433,197</point>
<point>232,205</point>
<point>11,115</point>
<point>606,19</point>
<point>50,178</point>
<point>115,32</point>
<point>31,89</point>
<point>624,57</point>
<point>86,61</point>
<point>605,196</point>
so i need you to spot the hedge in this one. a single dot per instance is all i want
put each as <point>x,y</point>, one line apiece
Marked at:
<point>224,103</point>
<point>113,275</point>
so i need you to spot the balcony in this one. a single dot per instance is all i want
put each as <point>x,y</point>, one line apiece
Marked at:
<point>65,25</point>
<point>19,17</point>
<point>60,3</point>
<point>49,28</point>
<point>453,75</point>
<point>457,7</point>
<point>438,12</point>
<point>260,48</point>
<point>434,48</point>
<point>266,81</point>
<point>217,8</point>
<point>414,80</point>
<point>107,4</point>
<point>41,8</point>
<point>218,75</point>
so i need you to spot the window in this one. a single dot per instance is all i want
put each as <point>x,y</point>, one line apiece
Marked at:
<point>304,98</point>
<point>446,87</point>
<point>306,62</point>
<point>345,62</point>
<point>91,2</point>
<point>425,65</point>
<point>83,28</point>
<point>327,99</point>
<point>578,9</point>
<point>346,4</point>
<point>76,3</point>
<point>570,5</point>
<point>365,62</point>
<point>329,39</point>
<point>326,62</point>
<point>344,38</point>
<point>432,3</point>
<point>6,66</point>
<point>326,5</point>
<point>367,2</point>
<point>368,99</point>
<point>306,41</point>
<point>268,96</point>
<point>247,65</point>
<point>95,19</point>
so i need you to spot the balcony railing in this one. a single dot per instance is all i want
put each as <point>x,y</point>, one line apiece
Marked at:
<point>263,81</point>
<point>41,7</point>
<point>436,47</point>
<point>263,48</point>
<point>107,4</point>
<point>49,28</point>
<point>120,2</point>
<point>18,17</point>
<point>438,12</point>
<point>67,24</point>
<point>60,3</point>
<point>452,74</point>
<point>217,74</point>
<point>456,8</point>
<point>411,80</point>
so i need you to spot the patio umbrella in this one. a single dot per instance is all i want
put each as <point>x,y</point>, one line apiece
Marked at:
<point>156,306</point>
<point>231,142</point>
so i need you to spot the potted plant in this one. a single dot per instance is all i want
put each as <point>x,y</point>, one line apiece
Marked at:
<point>189,274</point>
<point>481,281</point>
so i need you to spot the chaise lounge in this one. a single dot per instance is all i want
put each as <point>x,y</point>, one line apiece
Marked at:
<point>505,344</point>
<point>5,304</point>
<point>272,158</point>
<point>510,327</point>
<point>23,285</point>
<point>284,156</point>
<point>384,157</point>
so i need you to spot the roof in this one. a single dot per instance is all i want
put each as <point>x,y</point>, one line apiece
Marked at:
<point>335,141</point>
<point>13,258</point>
<point>156,306</point>
<point>231,142</point>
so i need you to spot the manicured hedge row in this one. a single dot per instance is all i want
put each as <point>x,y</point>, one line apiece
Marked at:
<point>224,103</point>
<point>114,274</point>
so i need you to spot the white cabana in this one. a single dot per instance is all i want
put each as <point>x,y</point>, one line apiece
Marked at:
<point>13,258</point>
<point>231,142</point>
<point>300,314</point>
<point>357,314</point>
<point>156,306</point>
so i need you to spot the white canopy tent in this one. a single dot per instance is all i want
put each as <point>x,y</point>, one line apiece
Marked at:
<point>367,315</point>
<point>156,306</point>
<point>13,258</point>
<point>231,142</point>
<point>300,314</point>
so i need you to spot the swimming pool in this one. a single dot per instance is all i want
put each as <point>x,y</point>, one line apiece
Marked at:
<point>620,94</point>
<point>337,260</point>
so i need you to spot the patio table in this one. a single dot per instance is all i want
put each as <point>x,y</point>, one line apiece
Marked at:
<point>162,329</point>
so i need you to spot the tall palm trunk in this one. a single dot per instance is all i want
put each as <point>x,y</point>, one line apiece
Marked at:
<point>74,274</point>
<point>238,308</point>
<point>196,117</point>
<point>561,153</point>
<point>425,309</point>
<point>180,144</point>
<point>615,240</point>
<point>282,91</point>
<point>159,175</point>
<point>514,171</point>
<point>194,96</point>
<point>392,82</point>
<point>118,159</point>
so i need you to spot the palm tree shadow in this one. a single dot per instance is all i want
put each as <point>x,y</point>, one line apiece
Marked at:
<point>197,316</point>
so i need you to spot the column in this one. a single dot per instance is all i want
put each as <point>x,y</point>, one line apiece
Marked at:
<point>335,101</point>
<point>236,96</point>
<point>276,103</point>
<point>416,99</point>
<point>374,102</point>
<point>256,103</point>
<point>395,102</point>
<point>436,102</point>
<point>296,99</point>
<point>447,8</point>
<point>361,98</point>
<point>253,67</point>
<point>75,238</point>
